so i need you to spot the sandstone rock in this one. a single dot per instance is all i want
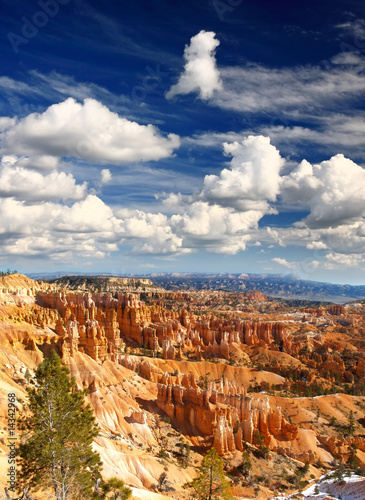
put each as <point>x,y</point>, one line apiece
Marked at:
<point>216,414</point>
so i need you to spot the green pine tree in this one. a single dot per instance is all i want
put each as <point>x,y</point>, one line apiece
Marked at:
<point>246,465</point>
<point>211,483</point>
<point>352,421</point>
<point>117,489</point>
<point>57,432</point>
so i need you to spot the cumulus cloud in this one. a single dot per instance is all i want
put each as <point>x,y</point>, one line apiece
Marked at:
<point>150,233</point>
<point>218,229</point>
<point>333,191</point>
<point>253,177</point>
<point>223,215</point>
<point>42,163</point>
<point>88,228</point>
<point>6,123</point>
<point>37,179</point>
<point>32,186</point>
<point>346,239</point>
<point>91,215</point>
<point>89,131</point>
<point>200,71</point>
<point>45,212</point>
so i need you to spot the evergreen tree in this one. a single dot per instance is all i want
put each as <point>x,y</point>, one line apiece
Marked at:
<point>211,483</point>
<point>246,465</point>
<point>57,432</point>
<point>352,461</point>
<point>351,426</point>
<point>117,488</point>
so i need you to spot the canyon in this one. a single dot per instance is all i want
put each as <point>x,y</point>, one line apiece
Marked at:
<point>171,373</point>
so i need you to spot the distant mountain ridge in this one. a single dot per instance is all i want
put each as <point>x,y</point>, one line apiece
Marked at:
<point>286,286</point>
<point>276,285</point>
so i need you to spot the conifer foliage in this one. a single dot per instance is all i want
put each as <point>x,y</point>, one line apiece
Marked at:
<point>57,432</point>
<point>211,483</point>
<point>115,488</point>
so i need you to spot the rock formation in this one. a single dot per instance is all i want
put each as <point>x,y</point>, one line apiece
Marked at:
<point>224,413</point>
<point>101,323</point>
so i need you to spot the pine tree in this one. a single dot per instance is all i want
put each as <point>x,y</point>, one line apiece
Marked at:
<point>246,465</point>
<point>351,426</point>
<point>117,488</point>
<point>57,432</point>
<point>211,483</point>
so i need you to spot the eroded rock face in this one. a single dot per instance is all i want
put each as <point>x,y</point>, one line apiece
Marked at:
<point>336,310</point>
<point>97,324</point>
<point>224,413</point>
<point>125,387</point>
<point>340,447</point>
<point>20,290</point>
<point>360,368</point>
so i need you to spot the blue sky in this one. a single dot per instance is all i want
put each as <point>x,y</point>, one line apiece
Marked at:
<point>212,136</point>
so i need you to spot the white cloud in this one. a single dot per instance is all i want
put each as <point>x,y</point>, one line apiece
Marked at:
<point>298,90</point>
<point>91,215</point>
<point>333,131</point>
<point>173,201</point>
<point>275,235</point>
<point>316,245</point>
<point>88,228</point>
<point>59,86</point>
<point>105,176</point>
<point>346,239</point>
<point>6,122</point>
<point>284,262</point>
<point>150,233</point>
<point>50,230</point>
<point>9,85</point>
<point>339,260</point>
<point>355,28</point>
<point>89,131</point>
<point>222,216</point>
<point>200,71</point>
<point>327,133</point>
<point>42,163</point>
<point>333,191</point>
<point>226,211</point>
<point>217,229</point>
<point>253,177</point>
<point>29,185</point>
<point>347,58</point>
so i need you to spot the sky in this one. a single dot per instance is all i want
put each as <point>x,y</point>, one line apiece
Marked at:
<point>141,136</point>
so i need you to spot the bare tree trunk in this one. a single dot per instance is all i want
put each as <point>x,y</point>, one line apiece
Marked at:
<point>24,496</point>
